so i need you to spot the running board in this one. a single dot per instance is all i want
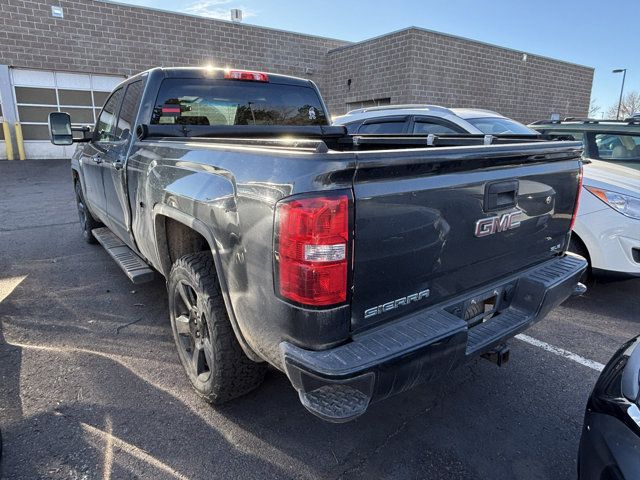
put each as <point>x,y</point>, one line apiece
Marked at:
<point>133,266</point>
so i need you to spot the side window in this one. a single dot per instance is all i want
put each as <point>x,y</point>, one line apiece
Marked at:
<point>106,125</point>
<point>616,147</point>
<point>381,128</point>
<point>565,135</point>
<point>422,127</point>
<point>127,116</point>
<point>352,128</point>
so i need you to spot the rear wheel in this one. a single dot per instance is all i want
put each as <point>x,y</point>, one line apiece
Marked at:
<point>207,346</point>
<point>87,222</point>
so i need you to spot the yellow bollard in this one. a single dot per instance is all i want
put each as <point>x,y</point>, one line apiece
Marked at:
<point>20,141</point>
<point>7,140</point>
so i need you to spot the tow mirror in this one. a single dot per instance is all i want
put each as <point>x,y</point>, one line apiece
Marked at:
<point>60,128</point>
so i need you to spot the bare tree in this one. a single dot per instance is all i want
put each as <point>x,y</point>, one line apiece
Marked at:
<point>630,105</point>
<point>594,108</point>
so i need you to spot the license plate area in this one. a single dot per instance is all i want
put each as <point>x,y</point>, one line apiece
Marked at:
<point>483,306</point>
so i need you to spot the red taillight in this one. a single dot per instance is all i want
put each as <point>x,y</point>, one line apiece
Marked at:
<point>312,245</point>
<point>575,208</point>
<point>246,75</point>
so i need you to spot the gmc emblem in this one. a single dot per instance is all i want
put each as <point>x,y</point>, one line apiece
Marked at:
<point>502,223</point>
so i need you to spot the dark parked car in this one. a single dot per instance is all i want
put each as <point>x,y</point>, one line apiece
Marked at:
<point>610,443</point>
<point>356,265</point>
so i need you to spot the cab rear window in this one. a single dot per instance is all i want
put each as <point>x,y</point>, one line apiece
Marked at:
<point>230,102</point>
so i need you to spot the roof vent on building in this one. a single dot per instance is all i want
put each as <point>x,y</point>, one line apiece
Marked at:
<point>236,15</point>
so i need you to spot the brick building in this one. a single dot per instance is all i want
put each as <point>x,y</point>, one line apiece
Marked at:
<point>68,54</point>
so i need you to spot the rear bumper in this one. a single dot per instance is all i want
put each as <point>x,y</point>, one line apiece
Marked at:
<point>339,383</point>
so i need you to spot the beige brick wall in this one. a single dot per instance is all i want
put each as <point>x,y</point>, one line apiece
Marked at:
<point>102,37</point>
<point>461,73</point>
<point>412,65</point>
<point>378,68</point>
<point>419,66</point>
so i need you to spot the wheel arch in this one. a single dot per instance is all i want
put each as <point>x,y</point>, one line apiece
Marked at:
<point>192,230</point>
<point>582,245</point>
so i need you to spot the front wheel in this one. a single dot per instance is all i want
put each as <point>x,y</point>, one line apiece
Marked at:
<point>207,346</point>
<point>87,222</point>
<point>577,247</point>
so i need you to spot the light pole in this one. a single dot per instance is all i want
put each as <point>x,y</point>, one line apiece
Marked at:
<point>623,71</point>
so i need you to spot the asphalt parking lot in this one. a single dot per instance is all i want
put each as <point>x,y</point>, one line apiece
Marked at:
<point>91,386</point>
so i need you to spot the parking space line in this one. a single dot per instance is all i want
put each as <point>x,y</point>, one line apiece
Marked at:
<point>597,366</point>
<point>133,450</point>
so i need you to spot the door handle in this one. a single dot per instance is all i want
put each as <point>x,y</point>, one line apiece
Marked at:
<point>97,158</point>
<point>500,195</point>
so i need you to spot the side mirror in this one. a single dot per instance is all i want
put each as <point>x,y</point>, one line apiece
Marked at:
<point>60,128</point>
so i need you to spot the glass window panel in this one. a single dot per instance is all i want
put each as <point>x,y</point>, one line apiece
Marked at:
<point>99,98</point>
<point>75,97</point>
<point>224,102</point>
<point>106,128</point>
<point>35,132</point>
<point>128,109</point>
<point>44,96</point>
<point>382,128</point>
<point>618,148</point>
<point>79,115</point>
<point>35,114</point>
<point>426,128</point>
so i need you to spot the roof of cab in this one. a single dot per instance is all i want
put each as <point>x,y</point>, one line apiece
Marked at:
<point>211,72</point>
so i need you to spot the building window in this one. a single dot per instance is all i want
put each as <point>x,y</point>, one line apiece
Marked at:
<point>39,92</point>
<point>377,102</point>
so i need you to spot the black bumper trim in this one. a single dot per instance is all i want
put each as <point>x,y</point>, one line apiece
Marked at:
<point>429,343</point>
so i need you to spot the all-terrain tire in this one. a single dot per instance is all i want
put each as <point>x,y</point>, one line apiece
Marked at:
<point>87,222</point>
<point>224,372</point>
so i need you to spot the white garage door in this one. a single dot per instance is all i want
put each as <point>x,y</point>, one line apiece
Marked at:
<point>38,92</point>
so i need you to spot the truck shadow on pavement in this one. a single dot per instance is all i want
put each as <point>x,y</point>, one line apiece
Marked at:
<point>92,384</point>
<point>110,396</point>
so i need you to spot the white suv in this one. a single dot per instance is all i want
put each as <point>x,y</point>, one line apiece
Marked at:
<point>607,229</point>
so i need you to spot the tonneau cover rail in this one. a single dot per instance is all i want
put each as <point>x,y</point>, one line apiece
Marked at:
<point>335,137</point>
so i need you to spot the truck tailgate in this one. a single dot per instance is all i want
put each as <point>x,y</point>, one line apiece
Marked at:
<point>430,224</point>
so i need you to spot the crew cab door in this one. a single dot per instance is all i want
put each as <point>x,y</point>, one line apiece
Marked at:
<point>94,154</point>
<point>114,174</point>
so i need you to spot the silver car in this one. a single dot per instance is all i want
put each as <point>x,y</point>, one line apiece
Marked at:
<point>427,119</point>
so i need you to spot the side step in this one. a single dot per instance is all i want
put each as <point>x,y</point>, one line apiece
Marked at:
<point>136,269</point>
<point>335,403</point>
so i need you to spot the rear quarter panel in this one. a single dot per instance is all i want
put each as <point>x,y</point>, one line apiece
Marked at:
<point>234,192</point>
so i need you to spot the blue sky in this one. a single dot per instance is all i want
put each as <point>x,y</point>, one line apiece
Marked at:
<point>603,35</point>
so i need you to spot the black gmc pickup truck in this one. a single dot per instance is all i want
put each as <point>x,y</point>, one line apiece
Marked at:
<point>358,265</point>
